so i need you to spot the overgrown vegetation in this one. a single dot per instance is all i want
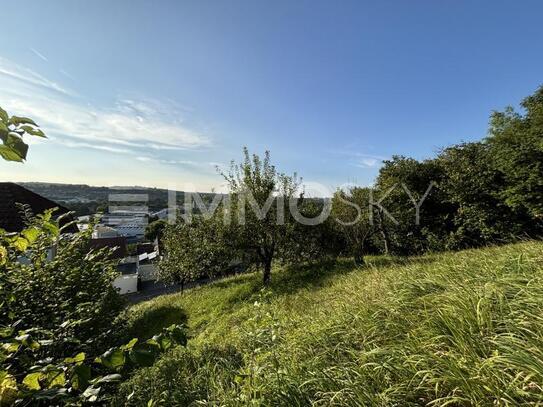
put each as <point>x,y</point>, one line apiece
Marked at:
<point>457,328</point>
<point>439,329</point>
<point>53,282</point>
<point>57,308</point>
<point>253,226</point>
<point>470,195</point>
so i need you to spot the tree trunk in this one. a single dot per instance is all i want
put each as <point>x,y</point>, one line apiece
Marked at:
<point>359,259</point>
<point>384,233</point>
<point>267,272</point>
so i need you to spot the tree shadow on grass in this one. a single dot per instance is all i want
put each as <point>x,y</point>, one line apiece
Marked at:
<point>227,294</point>
<point>146,322</point>
<point>285,280</point>
<point>298,277</point>
<point>292,278</point>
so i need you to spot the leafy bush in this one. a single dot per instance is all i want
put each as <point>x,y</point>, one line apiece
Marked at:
<point>52,281</point>
<point>486,192</point>
<point>57,308</point>
<point>195,250</point>
<point>31,374</point>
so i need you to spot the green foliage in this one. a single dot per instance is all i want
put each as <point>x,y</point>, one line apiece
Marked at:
<point>311,243</point>
<point>471,194</point>
<point>472,188</point>
<point>260,234</point>
<point>196,250</point>
<point>57,307</point>
<point>402,183</point>
<point>458,328</point>
<point>253,226</point>
<point>516,143</point>
<point>53,282</point>
<point>33,374</point>
<point>12,130</point>
<point>353,222</point>
<point>155,229</point>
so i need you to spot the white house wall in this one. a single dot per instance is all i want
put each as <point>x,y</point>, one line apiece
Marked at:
<point>127,283</point>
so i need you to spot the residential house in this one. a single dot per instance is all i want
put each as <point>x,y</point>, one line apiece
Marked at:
<point>128,266</point>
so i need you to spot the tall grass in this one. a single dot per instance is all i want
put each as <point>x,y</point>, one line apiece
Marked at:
<point>454,329</point>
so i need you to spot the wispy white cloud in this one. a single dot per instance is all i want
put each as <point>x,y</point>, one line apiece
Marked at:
<point>144,159</point>
<point>39,54</point>
<point>367,162</point>
<point>28,77</point>
<point>100,147</point>
<point>360,160</point>
<point>201,166</point>
<point>129,127</point>
<point>66,74</point>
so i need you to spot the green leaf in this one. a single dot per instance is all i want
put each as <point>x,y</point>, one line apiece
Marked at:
<point>33,131</point>
<point>81,376</point>
<point>130,344</point>
<point>19,243</point>
<point>51,227</point>
<point>142,357</point>
<point>110,378</point>
<point>16,120</point>
<point>153,342</point>
<point>56,379</point>
<point>3,256</point>
<point>16,143</point>
<point>178,334</point>
<point>31,234</point>
<point>91,393</point>
<point>6,332</point>
<point>8,154</point>
<point>165,343</point>
<point>32,381</point>
<point>77,359</point>
<point>3,132</point>
<point>49,394</point>
<point>112,359</point>
<point>47,214</point>
<point>11,347</point>
<point>28,341</point>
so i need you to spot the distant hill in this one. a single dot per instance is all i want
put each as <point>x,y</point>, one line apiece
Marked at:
<point>86,199</point>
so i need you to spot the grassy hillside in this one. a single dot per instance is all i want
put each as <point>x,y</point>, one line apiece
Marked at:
<point>459,329</point>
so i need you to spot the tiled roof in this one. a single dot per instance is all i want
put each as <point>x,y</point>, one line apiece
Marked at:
<point>11,218</point>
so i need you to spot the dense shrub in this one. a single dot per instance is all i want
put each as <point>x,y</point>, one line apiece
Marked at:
<point>51,281</point>
<point>251,228</point>
<point>57,308</point>
<point>481,193</point>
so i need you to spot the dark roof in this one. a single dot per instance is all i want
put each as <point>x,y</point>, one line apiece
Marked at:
<point>119,243</point>
<point>11,217</point>
<point>145,248</point>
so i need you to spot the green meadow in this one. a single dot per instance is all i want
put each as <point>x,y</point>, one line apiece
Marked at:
<point>462,328</point>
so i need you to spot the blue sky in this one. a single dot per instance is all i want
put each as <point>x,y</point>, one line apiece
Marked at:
<point>157,93</point>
